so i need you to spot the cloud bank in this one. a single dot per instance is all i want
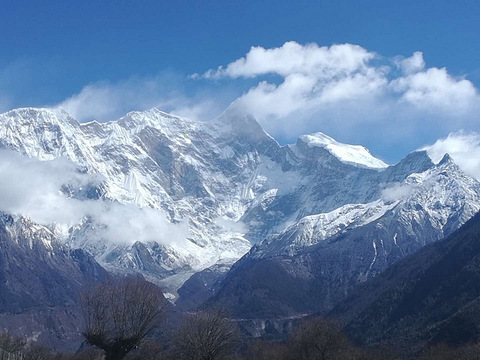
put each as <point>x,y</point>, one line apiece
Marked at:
<point>31,188</point>
<point>313,76</point>
<point>346,90</point>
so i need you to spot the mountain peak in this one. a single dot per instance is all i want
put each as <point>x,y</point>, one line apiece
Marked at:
<point>447,163</point>
<point>351,154</point>
<point>446,159</point>
<point>234,115</point>
<point>234,119</point>
<point>151,115</point>
<point>57,116</point>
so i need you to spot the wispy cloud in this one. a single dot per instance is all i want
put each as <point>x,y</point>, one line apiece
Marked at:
<point>30,187</point>
<point>397,191</point>
<point>104,101</point>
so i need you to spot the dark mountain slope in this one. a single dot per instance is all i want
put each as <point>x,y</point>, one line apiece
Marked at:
<point>312,281</point>
<point>40,280</point>
<point>433,295</point>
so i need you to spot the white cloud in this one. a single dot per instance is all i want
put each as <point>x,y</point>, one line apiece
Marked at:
<point>397,192</point>
<point>104,101</point>
<point>348,90</point>
<point>230,225</point>
<point>413,64</point>
<point>31,188</point>
<point>127,223</point>
<point>463,147</point>
<point>434,89</point>
<point>314,79</point>
<point>293,58</point>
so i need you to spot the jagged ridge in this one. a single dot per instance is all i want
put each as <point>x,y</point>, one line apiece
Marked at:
<point>232,183</point>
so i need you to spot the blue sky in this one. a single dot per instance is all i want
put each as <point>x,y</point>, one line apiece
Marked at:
<point>100,59</point>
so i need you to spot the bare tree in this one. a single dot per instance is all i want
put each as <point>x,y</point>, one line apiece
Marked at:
<point>37,351</point>
<point>468,352</point>
<point>437,352</point>
<point>149,350</point>
<point>206,336</point>
<point>91,353</point>
<point>320,339</point>
<point>266,350</point>
<point>10,345</point>
<point>379,353</point>
<point>120,314</point>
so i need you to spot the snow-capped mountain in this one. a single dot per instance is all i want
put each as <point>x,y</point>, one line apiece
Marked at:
<point>186,171</point>
<point>352,154</point>
<point>168,196</point>
<point>443,195</point>
<point>314,263</point>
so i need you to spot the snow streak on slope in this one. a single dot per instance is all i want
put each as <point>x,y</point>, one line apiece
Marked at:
<point>313,229</point>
